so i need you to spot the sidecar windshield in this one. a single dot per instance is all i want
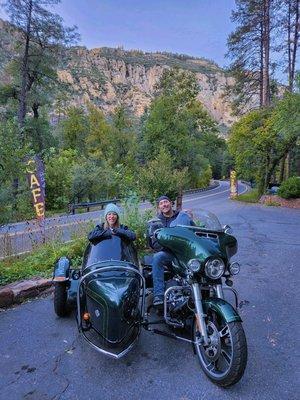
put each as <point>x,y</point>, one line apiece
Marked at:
<point>111,249</point>
<point>205,219</point>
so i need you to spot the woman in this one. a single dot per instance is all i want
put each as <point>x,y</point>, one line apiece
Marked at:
<point>110,227</point>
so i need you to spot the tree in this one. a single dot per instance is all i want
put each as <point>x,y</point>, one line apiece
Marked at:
<point>74,130</point>
<point>59,178</point>
<point>262,138</point>
<point>176,122</point>
<point>158,177</point>
<point>249,48</point>
<point>42,38</point>
<point>288,31</point>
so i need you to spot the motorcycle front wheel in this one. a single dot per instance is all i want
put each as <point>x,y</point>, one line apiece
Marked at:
<point>224,359</point>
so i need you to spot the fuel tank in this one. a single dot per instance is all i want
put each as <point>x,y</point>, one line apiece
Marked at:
<point>112,297</point>
<point>191,242</point>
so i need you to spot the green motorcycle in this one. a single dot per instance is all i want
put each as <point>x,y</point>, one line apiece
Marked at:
<point>111,292</point>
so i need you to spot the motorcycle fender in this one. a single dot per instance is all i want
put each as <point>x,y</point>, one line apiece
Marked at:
<point>221,307</point>
<point>61,270</point>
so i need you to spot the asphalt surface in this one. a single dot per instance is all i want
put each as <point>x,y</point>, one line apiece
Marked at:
<point>43,357</point>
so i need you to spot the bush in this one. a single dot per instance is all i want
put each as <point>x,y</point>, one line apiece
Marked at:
<point>40,262</point>
<point>290,189</point>
<point>136,219</point>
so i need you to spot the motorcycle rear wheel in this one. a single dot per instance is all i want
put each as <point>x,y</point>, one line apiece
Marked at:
<point>61,306</point>
<point>224,360</point>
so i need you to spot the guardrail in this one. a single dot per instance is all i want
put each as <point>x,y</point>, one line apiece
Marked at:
<point>88,205</point>
<point>102,203</point>
<point>210,187</point>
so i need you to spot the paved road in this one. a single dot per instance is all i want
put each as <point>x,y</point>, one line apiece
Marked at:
<point>43,358</point>
<point>20,237</point>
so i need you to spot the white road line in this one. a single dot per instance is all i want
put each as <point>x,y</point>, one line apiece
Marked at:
<point>214,194</point>
<point>204,197</point>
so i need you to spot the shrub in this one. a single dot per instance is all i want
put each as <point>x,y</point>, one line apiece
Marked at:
<point>40,262</point>
<point>290,189</point>
<point>136,219</point>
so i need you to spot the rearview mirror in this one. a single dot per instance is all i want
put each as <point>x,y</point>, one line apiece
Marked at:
<point>227,229</point>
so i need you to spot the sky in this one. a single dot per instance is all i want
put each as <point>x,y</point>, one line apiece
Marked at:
<point>195,27</point>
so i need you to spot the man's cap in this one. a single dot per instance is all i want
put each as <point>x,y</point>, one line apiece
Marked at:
<point>111,208</point>
<point>164,197</point>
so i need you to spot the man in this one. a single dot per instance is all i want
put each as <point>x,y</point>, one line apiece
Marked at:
<point>162,258</point>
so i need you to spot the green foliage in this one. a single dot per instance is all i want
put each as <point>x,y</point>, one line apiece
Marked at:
<point>74,129</point>
<point>40,262</point>
<point>13,204</point>
<point>136,219</point>
<point>59,178</point>
<point>158,177</point>
<point>290,188</point>
<point>178,123</point>
<point>262,138</point>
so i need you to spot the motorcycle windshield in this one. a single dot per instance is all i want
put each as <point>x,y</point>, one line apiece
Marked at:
<point>204,219</point>
<point>113,249</point>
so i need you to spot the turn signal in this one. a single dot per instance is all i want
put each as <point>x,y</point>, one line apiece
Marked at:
<point>86,316</point>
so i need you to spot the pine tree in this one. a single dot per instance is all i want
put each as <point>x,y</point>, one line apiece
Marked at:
<point>249,49</point>
<point>42,38</point>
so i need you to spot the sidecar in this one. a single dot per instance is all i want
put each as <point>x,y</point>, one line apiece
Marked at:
<point>109,292</point>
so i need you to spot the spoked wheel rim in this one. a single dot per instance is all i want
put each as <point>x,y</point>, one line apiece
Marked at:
<point>217,357</point>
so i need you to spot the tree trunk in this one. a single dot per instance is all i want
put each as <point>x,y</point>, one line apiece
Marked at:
<point>294,44</point>
<point>266,54</point>
<point>24,74</point>
<point>261,81</point>
<point>179,200</point>
<point>287,166</point>
<point>35,109</point>
<point>281,174</point>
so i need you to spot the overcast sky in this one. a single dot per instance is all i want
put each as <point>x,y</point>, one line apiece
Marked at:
<point>195,27</point>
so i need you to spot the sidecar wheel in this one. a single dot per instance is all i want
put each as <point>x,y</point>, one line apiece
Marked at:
<point>224,360</point>
<point>61,306</point>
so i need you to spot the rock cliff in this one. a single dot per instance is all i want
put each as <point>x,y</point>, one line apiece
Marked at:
<point>109,77</point>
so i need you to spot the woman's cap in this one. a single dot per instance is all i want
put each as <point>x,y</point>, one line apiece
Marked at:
<point>111,208</point>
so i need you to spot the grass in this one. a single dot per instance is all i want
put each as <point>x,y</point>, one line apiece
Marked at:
<point>249,197</point>
<point>40,263</point>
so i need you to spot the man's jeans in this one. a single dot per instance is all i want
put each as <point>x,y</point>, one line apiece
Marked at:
<point>160,259</point>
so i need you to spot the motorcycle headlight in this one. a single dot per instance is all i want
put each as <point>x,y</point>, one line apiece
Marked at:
<point>214,268</point>
<point>194,265</point>
<point>234,268</point>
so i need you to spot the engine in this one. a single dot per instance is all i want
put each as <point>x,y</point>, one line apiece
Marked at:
<point>178,305</point>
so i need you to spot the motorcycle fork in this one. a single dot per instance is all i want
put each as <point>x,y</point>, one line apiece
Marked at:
<point>200,316</point>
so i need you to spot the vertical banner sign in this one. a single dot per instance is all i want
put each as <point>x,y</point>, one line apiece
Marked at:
<point>36,179</point>
<point>233,184</point>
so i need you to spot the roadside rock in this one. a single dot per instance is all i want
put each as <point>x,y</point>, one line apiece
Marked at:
<point>6,297</point>
<point>20,291</point>
<point>276,200</point>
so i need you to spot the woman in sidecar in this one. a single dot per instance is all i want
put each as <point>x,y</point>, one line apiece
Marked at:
<point>107,288</point>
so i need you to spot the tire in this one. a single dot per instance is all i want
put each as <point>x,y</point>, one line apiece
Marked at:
<point>61,306</point>
<point>226,367</point>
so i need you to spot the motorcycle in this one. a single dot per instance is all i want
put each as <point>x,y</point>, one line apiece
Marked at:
<point>111,292</point>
